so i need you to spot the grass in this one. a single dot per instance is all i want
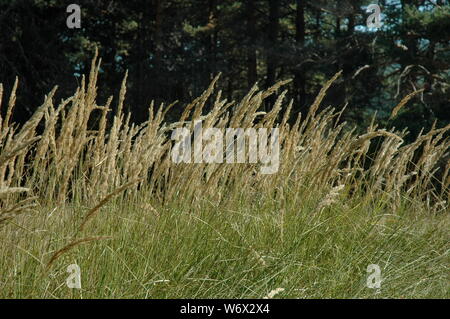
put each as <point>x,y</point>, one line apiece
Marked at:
<point>109,199</point>
<point>240,249</point>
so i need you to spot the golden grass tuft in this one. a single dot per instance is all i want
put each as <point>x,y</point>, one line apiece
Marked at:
<point>71,161</point>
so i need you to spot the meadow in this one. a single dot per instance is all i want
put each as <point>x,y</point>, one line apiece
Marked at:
<point>81,184</point>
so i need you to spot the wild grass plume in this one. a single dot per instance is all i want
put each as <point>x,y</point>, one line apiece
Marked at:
<point>217,230</point>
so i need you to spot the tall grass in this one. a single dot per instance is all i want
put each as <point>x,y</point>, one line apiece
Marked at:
<point>152,228</point>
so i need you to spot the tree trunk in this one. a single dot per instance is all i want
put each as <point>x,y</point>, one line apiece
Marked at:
<point>251,48</point>
<point>212,38</point>
<point>272,46</point>
<point>157,37</point>
<point>299,79</point>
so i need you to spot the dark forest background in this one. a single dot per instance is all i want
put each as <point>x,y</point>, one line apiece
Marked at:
<point>173,49</point>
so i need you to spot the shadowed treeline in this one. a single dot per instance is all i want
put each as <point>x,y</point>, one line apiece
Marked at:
<point>173,49</point>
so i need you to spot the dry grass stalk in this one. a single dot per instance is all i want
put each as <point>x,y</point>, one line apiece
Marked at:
<point>403,102</point>
<point>71,159</point>
<point>95,209</point>
<point>73,244</point>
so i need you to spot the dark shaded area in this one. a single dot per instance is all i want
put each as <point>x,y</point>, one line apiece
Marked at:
<point>173,49</point>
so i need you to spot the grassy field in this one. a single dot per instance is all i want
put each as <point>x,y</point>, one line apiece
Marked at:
<point>80,186</point>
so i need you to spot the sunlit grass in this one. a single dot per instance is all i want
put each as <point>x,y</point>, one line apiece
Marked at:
<point>109,199</point>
